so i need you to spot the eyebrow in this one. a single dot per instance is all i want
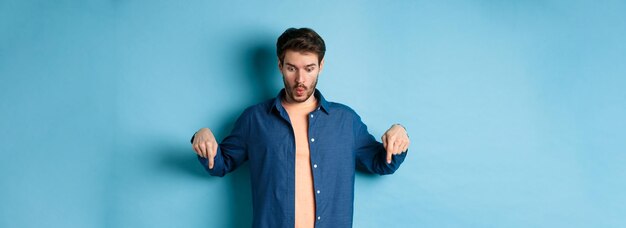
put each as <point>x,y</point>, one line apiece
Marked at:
<point>310,65</point>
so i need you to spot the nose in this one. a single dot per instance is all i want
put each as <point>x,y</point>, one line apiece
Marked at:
<point>300,77</point>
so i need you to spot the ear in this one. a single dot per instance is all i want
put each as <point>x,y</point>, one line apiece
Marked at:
<point>321,65</point>
<point>280,65</point>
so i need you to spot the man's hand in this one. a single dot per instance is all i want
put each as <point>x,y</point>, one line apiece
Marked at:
<point>395,140</point>
<point>205,145</point>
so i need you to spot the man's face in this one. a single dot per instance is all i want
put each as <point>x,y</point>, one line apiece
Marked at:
<point>300,71</point>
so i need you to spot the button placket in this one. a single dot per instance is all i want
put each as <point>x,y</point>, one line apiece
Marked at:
<point>313,158</point>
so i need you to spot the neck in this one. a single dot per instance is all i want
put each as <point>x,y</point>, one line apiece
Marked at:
<point>312,101</point>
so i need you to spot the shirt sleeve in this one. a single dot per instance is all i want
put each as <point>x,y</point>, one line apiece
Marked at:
<point>371,155</point>
<point>231,152</point>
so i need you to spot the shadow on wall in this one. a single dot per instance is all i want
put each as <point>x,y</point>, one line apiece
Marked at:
<point>238,196</point>
<point>261,72</point>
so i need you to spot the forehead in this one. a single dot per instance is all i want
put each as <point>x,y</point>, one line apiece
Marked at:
<point>300,58</point>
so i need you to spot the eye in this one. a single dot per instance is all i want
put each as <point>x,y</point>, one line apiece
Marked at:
<point>310,69</point>
<point>291,69</point>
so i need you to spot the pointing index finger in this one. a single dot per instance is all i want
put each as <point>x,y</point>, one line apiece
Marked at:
<point>389,152</point>
<point>211,162</point>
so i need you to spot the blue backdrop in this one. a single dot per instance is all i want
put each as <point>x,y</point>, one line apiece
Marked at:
<point>516,109</point>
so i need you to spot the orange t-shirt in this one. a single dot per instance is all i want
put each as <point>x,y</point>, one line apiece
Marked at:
<point>304,195</point>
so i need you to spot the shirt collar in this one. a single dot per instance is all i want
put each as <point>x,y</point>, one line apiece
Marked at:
<point>322,103</point>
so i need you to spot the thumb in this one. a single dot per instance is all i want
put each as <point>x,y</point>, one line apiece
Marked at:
<point>389,153</point>
<point>384,139</point>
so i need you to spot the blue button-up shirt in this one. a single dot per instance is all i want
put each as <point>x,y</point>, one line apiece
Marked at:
<point>338,143</point>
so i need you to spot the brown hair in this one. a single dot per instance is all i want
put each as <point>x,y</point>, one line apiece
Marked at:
<point>300,40</point>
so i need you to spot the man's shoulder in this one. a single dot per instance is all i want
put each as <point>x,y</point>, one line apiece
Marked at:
<point>339,108</point>
<point>260,107</point>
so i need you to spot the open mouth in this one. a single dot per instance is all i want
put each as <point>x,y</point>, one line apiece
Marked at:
<point>300,91</point>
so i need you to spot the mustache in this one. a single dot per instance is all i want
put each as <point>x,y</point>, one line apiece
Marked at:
<point>300,86</point>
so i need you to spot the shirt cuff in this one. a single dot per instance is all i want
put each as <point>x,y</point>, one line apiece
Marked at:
<point>218,164</point>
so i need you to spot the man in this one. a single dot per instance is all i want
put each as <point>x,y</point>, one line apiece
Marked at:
<point>303,150</point>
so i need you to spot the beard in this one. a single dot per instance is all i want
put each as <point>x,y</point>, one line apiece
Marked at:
<point>291,92</point>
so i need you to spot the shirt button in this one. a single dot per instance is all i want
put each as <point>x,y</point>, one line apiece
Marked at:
<point>318,217</point>
<point>312,139</point>
<point>315,166</point>
<point>318,191</point>
<point>311,115</point>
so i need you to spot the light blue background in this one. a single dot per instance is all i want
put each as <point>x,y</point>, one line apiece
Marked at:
<point>516,109</point>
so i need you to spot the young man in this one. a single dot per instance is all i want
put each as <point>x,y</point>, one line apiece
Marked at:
<point>303,150</point>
